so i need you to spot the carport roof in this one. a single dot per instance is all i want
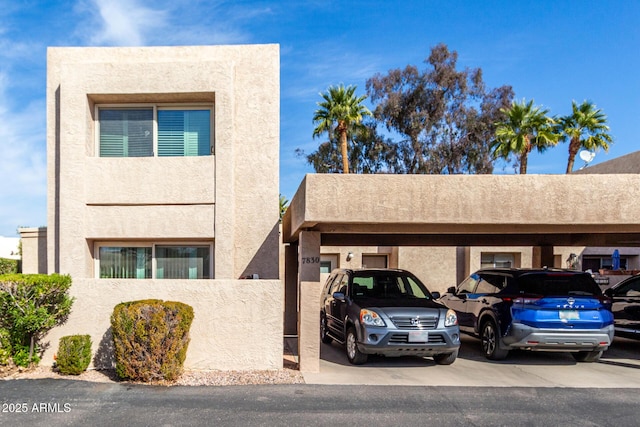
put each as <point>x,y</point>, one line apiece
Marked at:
<point>467,210</point>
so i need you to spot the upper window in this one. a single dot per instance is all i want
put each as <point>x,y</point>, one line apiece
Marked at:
<point>149,131</point>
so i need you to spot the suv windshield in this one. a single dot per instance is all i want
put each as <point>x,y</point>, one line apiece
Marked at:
<point>387,285</point>
<point>557,284</point>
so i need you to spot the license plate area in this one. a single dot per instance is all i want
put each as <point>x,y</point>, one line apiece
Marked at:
<point>419,336</point>
<point>569,315</point>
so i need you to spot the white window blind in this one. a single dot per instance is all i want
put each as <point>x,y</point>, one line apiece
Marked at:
<point>184,133</point>
<point>126,132</point>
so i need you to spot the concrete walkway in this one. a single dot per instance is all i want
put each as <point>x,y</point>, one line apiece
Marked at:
<point>618,368</point>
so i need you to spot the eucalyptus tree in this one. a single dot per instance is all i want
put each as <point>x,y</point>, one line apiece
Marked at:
<point>340,114</point>
<point>585,128</point>
<point>525,127</point>
<point>442,119</point>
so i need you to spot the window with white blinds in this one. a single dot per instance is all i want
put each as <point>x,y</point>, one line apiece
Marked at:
<point>154,261</point>
<point>154,131</point>
<point>126,132</point>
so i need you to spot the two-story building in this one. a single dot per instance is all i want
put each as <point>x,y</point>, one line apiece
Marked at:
<point>163,183</point>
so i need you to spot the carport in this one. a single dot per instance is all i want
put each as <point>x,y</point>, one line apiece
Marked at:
<point>541,211</point>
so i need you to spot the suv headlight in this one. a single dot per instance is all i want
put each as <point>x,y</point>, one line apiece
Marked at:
<point>371,318</point>
<point>451,319</point>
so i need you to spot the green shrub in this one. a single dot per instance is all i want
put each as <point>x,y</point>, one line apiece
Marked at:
<point>74,354</point>
<point>150,339</point>
<point>5,347</point>
<point>22,358</point>
<point>30,305</point>
<point>8,266</point>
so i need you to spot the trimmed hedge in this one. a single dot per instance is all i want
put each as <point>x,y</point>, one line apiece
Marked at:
<point>150,339</point>
<point>74,354</point>
<point>8,266</point>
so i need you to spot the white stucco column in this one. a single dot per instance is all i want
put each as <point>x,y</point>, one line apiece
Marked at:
<point>309,309</point>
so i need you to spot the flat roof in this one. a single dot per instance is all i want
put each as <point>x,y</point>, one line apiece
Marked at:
<point>467,210</point>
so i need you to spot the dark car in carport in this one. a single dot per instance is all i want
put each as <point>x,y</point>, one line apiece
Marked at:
<point>387,312</point>
<point>625,298</point>
<point>533,309</point>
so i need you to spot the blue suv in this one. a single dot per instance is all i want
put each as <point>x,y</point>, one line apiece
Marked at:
<point>534,309</point>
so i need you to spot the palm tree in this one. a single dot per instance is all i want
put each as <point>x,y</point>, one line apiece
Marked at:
<point>340,112</point>
<point>586,128</point>
<point>284,205</point>
<point>524,128</point>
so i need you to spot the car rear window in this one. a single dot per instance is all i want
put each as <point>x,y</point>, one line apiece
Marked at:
<point>552,284</point>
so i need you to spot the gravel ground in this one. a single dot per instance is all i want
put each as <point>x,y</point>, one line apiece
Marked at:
<point>188,378</point>
<point>289,374</point>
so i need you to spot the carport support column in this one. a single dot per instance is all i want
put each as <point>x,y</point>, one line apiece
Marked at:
<point>542,256</point>
<point>309,300</point>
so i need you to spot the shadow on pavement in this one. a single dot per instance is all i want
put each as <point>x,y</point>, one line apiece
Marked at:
<point>623,352</point>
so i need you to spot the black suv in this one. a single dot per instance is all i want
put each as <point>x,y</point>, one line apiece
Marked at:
<point>386,312</point>
<point>534,309</point>
<point>626,307</point>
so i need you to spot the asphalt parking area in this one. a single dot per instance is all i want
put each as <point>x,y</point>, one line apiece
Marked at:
<point>619,367</point>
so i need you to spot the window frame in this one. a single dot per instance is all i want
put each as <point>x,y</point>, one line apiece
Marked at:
<point>155,107</point>
<point>496,261</point>
<point>154,261</point>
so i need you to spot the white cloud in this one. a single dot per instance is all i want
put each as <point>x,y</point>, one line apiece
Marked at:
<point>125,22</point>
<point>22,164</point>
<point>166,22</point>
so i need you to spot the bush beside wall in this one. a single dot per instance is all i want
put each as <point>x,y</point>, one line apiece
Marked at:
<point>74,354</point>
<point>30,305</point>
<point>8,266</point>
<point>150,339</point>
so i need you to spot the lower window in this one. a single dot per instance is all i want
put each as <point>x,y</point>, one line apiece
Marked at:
<point>155,262</point>
<point>118,262</point>
<point>182,262</point>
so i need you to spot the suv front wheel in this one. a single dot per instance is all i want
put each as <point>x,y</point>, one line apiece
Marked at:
<point>491,341</point>
<point>445,359</point>
<point>353,354</point>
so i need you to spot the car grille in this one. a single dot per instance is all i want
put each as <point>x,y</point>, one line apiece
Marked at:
<point>404,339</point>
<point>415,322</point>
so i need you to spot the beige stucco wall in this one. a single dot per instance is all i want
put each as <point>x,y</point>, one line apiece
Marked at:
<point>34,250</point>
<point>230,198</point>
<point>434,266</point>
<point>237,323</point>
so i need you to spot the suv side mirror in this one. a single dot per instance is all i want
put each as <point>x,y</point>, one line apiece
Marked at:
<point>435,295</point>
<point>451,290</point>
<point>608,292</point>
<point>339,296</point>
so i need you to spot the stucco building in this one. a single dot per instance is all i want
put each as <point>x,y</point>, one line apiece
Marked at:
<point>163,183</point>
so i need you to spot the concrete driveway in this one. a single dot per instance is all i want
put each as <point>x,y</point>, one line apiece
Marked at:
<point>618,368</point>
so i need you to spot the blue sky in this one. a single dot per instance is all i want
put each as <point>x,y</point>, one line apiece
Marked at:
<point>550,51</point>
